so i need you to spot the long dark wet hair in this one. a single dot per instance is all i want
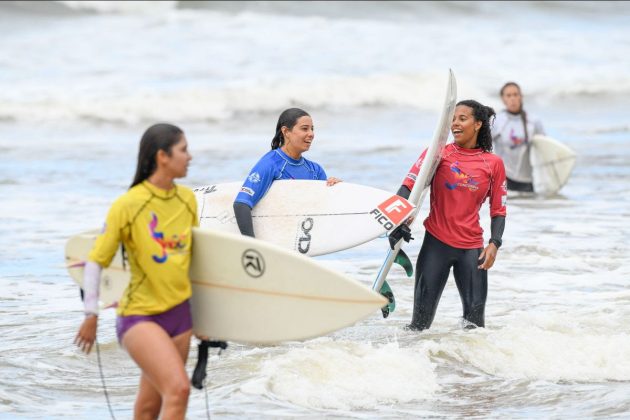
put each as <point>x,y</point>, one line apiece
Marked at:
<point>485,114</point>
<point>288,119</point>
<point>520,111</point>
<point>157,137</point>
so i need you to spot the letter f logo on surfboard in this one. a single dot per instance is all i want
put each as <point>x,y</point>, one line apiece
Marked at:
<point>392,212</point>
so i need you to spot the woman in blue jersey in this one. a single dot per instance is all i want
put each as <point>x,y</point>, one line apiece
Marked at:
<point>154,221</point>
<point>294,136</point>
<point>512,132</point>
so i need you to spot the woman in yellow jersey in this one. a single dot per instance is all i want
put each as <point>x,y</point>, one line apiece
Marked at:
<point>154,221</point>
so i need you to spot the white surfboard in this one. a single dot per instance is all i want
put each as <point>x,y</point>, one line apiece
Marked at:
<point>308,216</point>
<point>114,279</point>
<point>552,163</point>
<point>250,291</point>
<point>427,170</point>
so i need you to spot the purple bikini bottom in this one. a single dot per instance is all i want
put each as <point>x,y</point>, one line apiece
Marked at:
<point>174,321</point>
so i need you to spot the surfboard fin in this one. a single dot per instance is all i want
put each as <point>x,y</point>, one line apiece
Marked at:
<point>403,260</point>
<point>389,295</point>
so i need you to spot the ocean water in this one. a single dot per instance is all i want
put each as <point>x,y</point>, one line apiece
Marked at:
<point>81,81</point>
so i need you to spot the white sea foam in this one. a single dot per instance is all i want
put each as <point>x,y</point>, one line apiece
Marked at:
<point>211,104</point>
<point>208,104</point>
<point>209,64</point>
<point>545,346</point>
<point>132,7</point>
<point>347,375</point>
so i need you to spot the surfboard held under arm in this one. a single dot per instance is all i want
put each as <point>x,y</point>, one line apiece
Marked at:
<point>423,180</point>
<point>308,216</point>
<point>248,290</point>
<point>552,164</point>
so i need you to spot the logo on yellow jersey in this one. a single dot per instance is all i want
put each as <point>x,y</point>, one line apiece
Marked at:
<point>176,242</point>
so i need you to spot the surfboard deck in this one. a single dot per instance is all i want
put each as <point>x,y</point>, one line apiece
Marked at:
<point>552,164</point>
<point>250,291</point>
<point>308,216</point>
<point>114,279</point>
<point>423,181</point>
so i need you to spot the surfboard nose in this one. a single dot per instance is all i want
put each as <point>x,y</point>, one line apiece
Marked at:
<point>256,292</point>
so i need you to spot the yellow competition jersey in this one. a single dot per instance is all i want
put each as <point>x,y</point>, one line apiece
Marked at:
<point>155,227</point>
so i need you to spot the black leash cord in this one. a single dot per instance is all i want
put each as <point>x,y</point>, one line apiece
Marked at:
<point>100,369</point>
<point>198,378</point>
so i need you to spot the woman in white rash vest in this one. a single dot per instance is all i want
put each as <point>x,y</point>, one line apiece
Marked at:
<point>512,132</point>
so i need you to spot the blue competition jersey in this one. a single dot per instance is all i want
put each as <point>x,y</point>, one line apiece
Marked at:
<point>276,165</point>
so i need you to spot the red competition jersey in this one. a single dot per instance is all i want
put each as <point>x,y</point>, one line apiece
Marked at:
<point>463,180</point>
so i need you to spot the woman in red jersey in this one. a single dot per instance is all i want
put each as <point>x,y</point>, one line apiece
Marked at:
<point>468,173</point>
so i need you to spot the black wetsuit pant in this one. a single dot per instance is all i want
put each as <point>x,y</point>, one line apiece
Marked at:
<point>432,269</point>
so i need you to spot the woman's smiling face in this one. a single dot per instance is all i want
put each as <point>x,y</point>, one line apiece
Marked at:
<point>301,136</point>
<point>464,126</point>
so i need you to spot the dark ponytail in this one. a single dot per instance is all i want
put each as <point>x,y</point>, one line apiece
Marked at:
<point>288,119</point>
<point>485,114</point>
<point>157,137</point>
<point>520,111</point>
<point>524,119</point>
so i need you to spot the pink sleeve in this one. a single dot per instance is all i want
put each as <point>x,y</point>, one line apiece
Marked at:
<point>498,191</point>
<point>410,179</point>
